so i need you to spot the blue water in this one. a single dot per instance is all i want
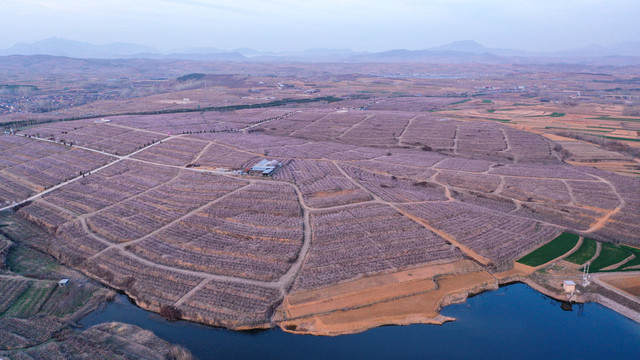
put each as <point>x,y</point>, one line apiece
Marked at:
<point>513,322</point>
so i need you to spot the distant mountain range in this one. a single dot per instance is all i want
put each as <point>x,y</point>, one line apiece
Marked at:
<point>456,52</point>
<point>76,49</point>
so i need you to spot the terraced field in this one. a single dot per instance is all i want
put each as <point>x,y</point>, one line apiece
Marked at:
<point>162,207</point>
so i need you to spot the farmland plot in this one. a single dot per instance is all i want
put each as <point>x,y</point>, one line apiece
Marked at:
<point>536,190</point>
<point>394,169</point>
<point>497,236</point>
<point>245,235</point>
<point>480,138</point>
<point>177,151</point>
<point>624,224</point>
<point>322,184</point>
<point>437,133</point>
<point>380,129</point>
<point>294,122</point>
<point>416,104</point>
<point>99,136</point>
<point>393,189</point>
<point>140,215</point>
<point>29,166</point>
<point>329,126</point>
<point>366,239</point>
<point>468,180</point>
<point>570,217</point>
<point>106,187</point>
<point>150,285</point>
<point>232,304</point>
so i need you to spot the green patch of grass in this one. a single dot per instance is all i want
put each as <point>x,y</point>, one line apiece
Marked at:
<point>619,138</point>
<point>487,101</point>
<point>609,255</point>
<point>584,253</point>
<point>461,101</point>
<point>501,120</point>
<point>11,290</point>
<point>634,262</point>
<point>68,299</point>
<point>602,127</point>
<point>553,114</point>
<point>29,303</point>
<point>551,250</point>
<point>521,104</point>
<point>494,110</point>
<point>26,261</point>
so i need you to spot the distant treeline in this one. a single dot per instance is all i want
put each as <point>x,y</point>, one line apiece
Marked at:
<point>31,122</point>
<point>192,76</point>
<point>17,89</point>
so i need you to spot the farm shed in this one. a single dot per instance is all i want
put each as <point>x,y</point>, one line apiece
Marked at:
<point>265,167</point>
<point>569,286</point>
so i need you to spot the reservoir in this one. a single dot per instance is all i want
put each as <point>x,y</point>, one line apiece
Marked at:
<point>512,322</point>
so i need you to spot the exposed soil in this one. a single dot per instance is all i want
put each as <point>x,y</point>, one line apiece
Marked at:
<point>407,297</point>
<point>629,283</point>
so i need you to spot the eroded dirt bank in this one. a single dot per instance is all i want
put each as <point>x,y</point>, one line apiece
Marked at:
<point>416,296</point>
<point>403,298</point>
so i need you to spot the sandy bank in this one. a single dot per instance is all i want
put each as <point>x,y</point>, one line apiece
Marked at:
<point>403,298</point>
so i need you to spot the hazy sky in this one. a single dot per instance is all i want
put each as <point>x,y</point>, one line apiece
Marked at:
<point>372,25</point>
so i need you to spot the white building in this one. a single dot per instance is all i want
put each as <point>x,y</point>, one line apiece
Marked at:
<point>266,167</point>
<point>569,286</point>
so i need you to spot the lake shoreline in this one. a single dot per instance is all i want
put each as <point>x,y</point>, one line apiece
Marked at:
<point>480,311</point>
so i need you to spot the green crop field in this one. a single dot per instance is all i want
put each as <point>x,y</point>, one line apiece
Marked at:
<point>619,138</point>
<point>494,110</point>
<point>584,253</point>
<point>554,114</point>
<point>29,262</point>
<point>614,118</point>
<point>461,102</point>
<point>29,303</point>
<point>634,262</point>
<point>609,255</point>
<point>553,249</point>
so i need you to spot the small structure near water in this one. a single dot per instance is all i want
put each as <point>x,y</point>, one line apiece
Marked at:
<point>569,286</point>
